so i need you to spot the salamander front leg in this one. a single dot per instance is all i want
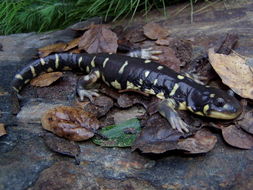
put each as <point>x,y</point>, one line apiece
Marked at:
<point>147,53</point>
<point>85,84</point>
<point>167,109</point>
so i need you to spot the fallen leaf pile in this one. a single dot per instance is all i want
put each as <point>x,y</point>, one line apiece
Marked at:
<point>156,134</point>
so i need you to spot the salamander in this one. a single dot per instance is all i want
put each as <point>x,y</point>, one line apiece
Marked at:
<point>177,91</point>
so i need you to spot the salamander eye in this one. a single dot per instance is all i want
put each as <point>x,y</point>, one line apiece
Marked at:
<point>219,102</point>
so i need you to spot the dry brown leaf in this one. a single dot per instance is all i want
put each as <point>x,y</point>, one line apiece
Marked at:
<point>70,123</point>
<point>98,39</point>
<point>234,72</point>
<point>72,44</point>
<point>169,58</point>
<point>154,31</point>
<point>60,145</point>
<point>163,41</point>
<point>46,79</point>
<point>237,137</point>
<point>157,136</point>
<point>3,93</point>
<point>2,130</point>
<point>54,48</point>
<point>203,141</point>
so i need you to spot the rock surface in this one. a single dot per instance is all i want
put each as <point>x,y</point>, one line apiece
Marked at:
<point>26,162</point>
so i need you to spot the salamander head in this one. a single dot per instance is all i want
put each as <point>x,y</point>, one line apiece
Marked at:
<point>214,103</point>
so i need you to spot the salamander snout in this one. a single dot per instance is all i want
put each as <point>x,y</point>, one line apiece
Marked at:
<point>223,106</point>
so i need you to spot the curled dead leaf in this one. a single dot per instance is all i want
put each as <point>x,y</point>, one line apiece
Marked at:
<point>72,44</point>
<point>98,39</point>
<point>54,48</point>
<point>70,123</point>
<point>234,72</point>
<point>61,146</point>
<point>100,106</point>
<point>169,58</point>
<point>2,130</point>
<point>46,79</point>
<point>246,119</point>
<point>202,142</point>
<point>237,137</point>
<point>163,41</point>
<point>155,31</point>
<point>157,136</point>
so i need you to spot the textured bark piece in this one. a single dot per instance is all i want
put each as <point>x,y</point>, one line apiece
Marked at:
<point>237,137</point>
<point>235,71</point>
<point>70,123</point>
<point>98,39</point>
<point>46,79</point>
<point>155,31</point>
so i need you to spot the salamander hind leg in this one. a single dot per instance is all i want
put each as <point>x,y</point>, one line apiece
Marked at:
<point>167,108</point>
<point>85,85</point>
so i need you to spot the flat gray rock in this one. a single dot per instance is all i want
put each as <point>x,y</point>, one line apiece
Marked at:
<point>26,162</point>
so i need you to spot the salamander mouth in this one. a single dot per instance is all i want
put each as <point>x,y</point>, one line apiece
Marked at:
<point>223,115</point>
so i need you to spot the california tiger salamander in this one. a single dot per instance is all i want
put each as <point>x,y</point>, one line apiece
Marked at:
<point>177,91</point>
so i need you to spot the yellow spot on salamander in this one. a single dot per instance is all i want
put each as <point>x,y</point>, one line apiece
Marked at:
<point>121,70</point>
<point>160,95</point>
<point>97,73</point>
<point>50,70</point>
<point>155,81</point>
<point>199,113</point>
<point>180,77</point>
<point>173,91</point>
<point>26,81</point>
<point>93,61</point>
<point>14,88</point>
<point>33,71</point>
<point>42,61</point>
<point>212,95</point>
<point>105,61</point>
<point>190,109</point>
<point>80,61</point>
<point>146,73</point>
<point>160,67</point>
<point>18,76</point>
<point>57,60</point>
<point>141,82</point>
<point>130,85</point>
<point>147,61</point>
<point>149,91</point>
<point>116,84</point>
<point>205,109</point>
<point>66,68</point>
<point>182,106</point>
<point>87,69</point>
<point>103,78</point>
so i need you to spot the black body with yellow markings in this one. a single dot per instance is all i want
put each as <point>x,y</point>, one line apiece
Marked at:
<point>122,72</point>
